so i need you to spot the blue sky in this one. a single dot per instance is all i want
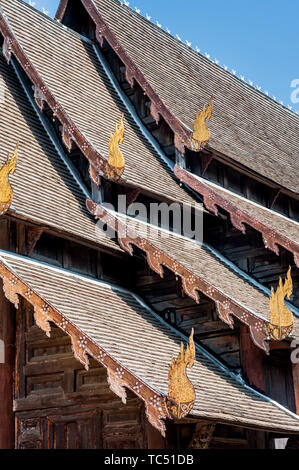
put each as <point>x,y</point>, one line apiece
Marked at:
<point>259,39</point>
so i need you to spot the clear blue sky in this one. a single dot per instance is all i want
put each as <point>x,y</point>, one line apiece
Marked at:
<point>257,38</point>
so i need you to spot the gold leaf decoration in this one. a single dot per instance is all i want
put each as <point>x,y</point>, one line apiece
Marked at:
<point>281,318</point>
<point>201,133</point>
<point>181,393</point>
<point>6,192</point>
<point>116,161</point>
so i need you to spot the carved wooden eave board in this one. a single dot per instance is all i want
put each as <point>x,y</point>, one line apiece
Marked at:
<point>118,376</point>
<point>243,130</point>
<point>42,94</point>
<point>88,106</point>
<point>138,354</point>
<point>192,283</point>
<point>214,197</point>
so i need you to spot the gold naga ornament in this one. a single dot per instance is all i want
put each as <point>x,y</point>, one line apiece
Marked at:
<point>116,161</point>
<point>281,318</point>
<point>181,393</point>
<point>6,192</point>
<point>201,133</point>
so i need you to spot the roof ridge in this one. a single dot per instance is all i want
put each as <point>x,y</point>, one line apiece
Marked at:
<point>157,149</point>
<point>188,48</point>
<point>70,131</point>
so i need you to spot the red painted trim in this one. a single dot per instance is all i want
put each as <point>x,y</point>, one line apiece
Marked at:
<point>42,93</point>
<point>238,217</point>
<point>296,385</point>
<point>182,134</point>
<point>191,283</point>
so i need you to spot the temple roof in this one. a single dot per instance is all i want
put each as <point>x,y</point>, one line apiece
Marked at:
<point>70,74</point>
<point>55,60</point>
<point>202,269</point>
<point>88,103</point>
<point>246,126</point>
<point>276,228</point>
<point>44,190</point>
<point>132,359</point>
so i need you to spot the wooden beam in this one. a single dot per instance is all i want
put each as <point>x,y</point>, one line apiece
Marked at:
<point>155,440</point>
<point>206,160</point>
<point>252,360</point>
<point>7,359</point>
<point>202,435</point>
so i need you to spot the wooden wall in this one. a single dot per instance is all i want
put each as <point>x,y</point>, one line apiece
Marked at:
<point>58,404</point>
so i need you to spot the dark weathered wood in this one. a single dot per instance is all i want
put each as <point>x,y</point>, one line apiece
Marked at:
<point>249,254</point>
<point>33,235</point>
<point>6,367</point>
<point>279,378</point>
<point>166,297</point>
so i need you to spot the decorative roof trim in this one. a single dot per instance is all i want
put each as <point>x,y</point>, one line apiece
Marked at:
<point>42,94</point>
<point>130,108</point>
<point>6,190</point>
<point>158,107</point>
<point>119,377</point>
<point>238,217</point>
<point>237,378</point>
<point>191,283</point>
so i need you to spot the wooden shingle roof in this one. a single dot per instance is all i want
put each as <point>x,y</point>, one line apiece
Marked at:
<point>276,229</point>
<point>139,355</point>
<point>67,73</point>
<point>247,126</point>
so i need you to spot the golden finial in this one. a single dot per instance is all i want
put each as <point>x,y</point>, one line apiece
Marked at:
<point>281,318</point>
<point>6,192</point>
<point>181,394</point>
<point>116,161</point>
<point>201,134</point>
